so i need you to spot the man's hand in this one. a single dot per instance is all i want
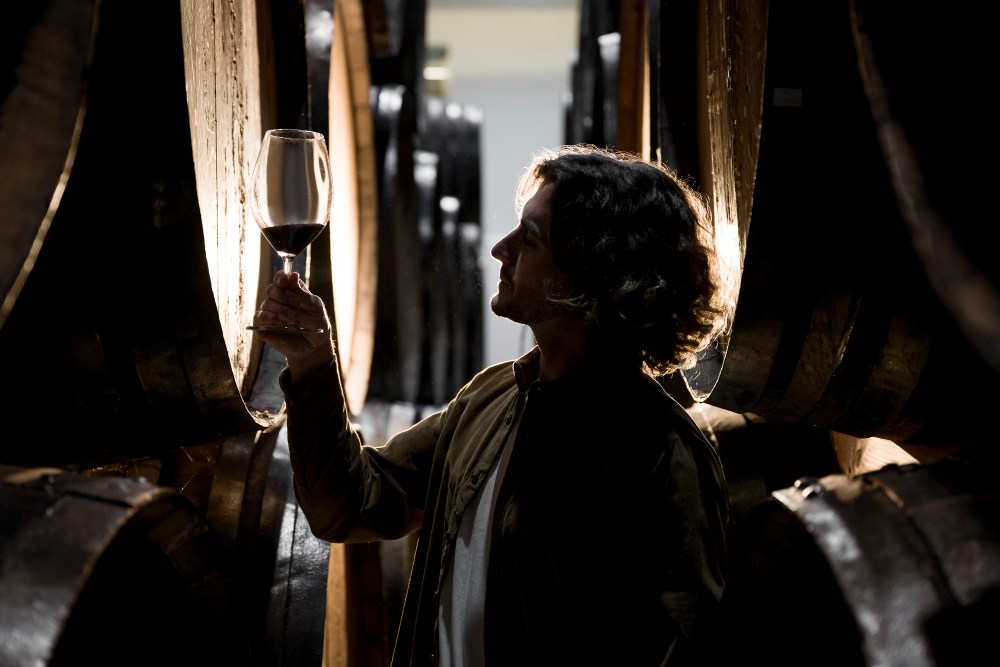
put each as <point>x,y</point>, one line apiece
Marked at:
<point>289,300</point>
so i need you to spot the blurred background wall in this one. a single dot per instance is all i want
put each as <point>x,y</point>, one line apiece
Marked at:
<point>511,60</point>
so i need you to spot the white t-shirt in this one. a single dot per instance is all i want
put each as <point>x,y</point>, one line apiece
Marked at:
<point>461,628</point>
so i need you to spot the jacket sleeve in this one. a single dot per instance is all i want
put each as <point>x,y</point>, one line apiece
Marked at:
<point>349,491</point>
<point>693,492</point>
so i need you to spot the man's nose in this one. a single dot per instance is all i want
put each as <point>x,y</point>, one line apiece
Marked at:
<point>501,250</point>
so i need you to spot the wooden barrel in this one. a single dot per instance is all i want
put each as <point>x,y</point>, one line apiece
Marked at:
<point>167,361</point>
<point>402,65</point>
<point>344,260</point>
<point>385,25</point>
<point>586,117</point>
<point>453,132</point>
<point>97,570</point>
<point>469,324</point>
<point>896,567</point>
<point>461,241</point>
<point>436,338</point>
<point>609,53</point>
<point>925,141</point>
<point>126,333</point>
<point>129,326</point>
<point>242,488</point>
<point>835,323</point>
<point>128,282</point>
<point>453,278</point>
<point>269,572</point>
<point>674,80</point>
<point>396,363</point>
<point>55,41</point>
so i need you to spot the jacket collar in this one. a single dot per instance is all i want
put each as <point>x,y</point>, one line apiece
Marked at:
<point>526,368</point>
<point>601,369</point>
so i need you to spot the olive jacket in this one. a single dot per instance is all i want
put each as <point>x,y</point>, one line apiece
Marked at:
<point>608,536</point>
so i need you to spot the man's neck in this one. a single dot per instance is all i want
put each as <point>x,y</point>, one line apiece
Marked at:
<point>562,344</point>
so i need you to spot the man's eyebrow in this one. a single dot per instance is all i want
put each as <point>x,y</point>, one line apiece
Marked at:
<point>532,227</point>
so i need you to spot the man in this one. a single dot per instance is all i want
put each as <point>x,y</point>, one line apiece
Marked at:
<point>569,510</point>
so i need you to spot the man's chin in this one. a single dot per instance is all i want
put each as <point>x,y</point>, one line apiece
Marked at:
<point>498,308</point>
<point>501,309</point>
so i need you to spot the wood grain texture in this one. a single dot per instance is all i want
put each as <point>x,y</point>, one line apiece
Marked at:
<point>353,238</point>
<point>222,70</point>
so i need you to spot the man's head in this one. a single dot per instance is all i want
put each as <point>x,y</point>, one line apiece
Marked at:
<point>530,282</point>
<point>631,250</point>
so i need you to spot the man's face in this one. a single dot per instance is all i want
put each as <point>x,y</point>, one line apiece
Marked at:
<point>527,271</point>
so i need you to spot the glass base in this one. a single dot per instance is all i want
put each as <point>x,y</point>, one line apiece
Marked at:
<point>285,328</point>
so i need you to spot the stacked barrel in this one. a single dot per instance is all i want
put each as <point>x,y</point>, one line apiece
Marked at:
<point>428,337</point>
<point>865,309</point>
<point>830,142</point>
<point>130,267</point>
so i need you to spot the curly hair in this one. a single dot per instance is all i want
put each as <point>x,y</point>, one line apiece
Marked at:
<point>638,244</point>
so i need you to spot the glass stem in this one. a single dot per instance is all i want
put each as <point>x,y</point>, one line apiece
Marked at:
<point>288,263</point>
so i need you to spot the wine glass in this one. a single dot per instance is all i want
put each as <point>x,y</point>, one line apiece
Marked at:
<point>290,197</point>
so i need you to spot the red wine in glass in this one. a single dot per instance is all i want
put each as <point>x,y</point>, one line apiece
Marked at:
<point>291,194</point>
<point>290,240</point>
